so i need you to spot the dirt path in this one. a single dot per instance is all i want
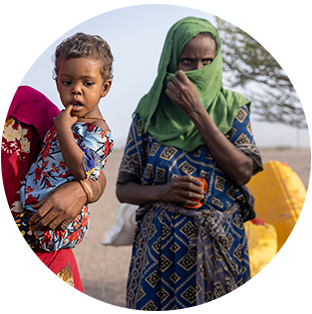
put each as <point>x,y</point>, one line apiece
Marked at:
<point>104,270</point>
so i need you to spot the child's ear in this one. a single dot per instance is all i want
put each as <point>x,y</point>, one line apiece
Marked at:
<point>106,87</point>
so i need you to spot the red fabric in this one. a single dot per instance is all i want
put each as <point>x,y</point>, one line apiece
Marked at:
<point>15,163</point>
<point>36,113</point>
<point>33,108</point>
<point>41,268</point>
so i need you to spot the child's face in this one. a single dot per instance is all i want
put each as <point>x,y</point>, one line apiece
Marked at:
<point>79,82</point>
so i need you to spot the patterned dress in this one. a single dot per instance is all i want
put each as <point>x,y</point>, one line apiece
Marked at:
<point>183,257</point>
<point>49,172</point>
<point>52,281</point>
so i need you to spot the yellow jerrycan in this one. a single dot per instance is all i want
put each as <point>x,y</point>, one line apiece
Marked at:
<point>262,244</point>
<point>280,195</point>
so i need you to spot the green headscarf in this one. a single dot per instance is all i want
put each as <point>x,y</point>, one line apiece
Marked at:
<point>168,123</point>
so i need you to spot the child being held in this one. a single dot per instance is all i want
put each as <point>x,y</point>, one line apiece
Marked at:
<point>78,144</point>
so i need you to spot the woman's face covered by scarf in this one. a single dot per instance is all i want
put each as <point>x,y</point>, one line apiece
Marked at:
<point>187,41</point>
<point>197,53</point>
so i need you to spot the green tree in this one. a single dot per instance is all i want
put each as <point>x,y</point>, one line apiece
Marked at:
<point>270,57</point>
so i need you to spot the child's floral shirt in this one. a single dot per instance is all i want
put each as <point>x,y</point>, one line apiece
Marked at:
<point>50,170</point>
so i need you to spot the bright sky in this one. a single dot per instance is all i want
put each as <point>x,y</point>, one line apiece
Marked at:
<point>136,43</point>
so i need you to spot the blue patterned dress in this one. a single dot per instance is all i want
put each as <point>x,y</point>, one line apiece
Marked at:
<point>183,257</point>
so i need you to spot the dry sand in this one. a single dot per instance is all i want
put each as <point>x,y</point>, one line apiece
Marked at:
<point>104,269</point>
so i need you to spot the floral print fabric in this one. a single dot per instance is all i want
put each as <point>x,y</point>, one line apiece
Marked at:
<point>47,173</point>
<point>17,153</point>
<point>19,147</point>
<point>50,171</point>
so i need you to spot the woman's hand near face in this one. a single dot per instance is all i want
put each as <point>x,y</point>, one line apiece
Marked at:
<point>236,165</point>
<point>183,92</point>
<point>176,191</point>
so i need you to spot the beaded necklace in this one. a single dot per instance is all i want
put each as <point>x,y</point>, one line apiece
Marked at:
<point>96,118</point>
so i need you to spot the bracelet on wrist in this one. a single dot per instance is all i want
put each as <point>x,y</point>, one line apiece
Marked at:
<point>87,190</point>
<point>84,190</point>
<point>100,190</point>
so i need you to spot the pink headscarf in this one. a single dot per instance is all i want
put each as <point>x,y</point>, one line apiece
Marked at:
<point>22,102</point>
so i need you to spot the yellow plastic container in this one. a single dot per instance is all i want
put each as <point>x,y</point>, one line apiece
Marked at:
<point>280,195</point>
<point>262,245</point>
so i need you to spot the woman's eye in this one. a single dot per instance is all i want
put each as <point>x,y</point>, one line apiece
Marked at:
<point>187,61</point>
<point>207,61</point>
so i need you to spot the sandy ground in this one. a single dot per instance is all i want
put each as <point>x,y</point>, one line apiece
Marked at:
<point>104,269</point>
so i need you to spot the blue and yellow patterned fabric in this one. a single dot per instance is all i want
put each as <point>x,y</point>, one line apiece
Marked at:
<point>183,257</point>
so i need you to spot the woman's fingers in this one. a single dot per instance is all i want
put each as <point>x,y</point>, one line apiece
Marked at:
<point>50,218</point>
<point>183,92</point>
<point>41,218</point>
<point>171,87</point>
<point>174,85</point>
<point>185,190</point>
<point>181,76</point>
<point>60,223</point>
<point>48,215</point>
<point>190,183</point>
<point>38,205</point>
<point>192,191</point>
<point>61,205</point>
<point>197,195</point>
<point>178,81</point>
<point>188,199</point>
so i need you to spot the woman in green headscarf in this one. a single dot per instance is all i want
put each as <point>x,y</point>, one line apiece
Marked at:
<point>190,245</point>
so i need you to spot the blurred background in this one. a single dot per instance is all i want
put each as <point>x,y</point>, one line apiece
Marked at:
<point>136,33</point>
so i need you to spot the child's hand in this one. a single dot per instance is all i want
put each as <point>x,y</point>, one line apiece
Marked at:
<point>64,119</point>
